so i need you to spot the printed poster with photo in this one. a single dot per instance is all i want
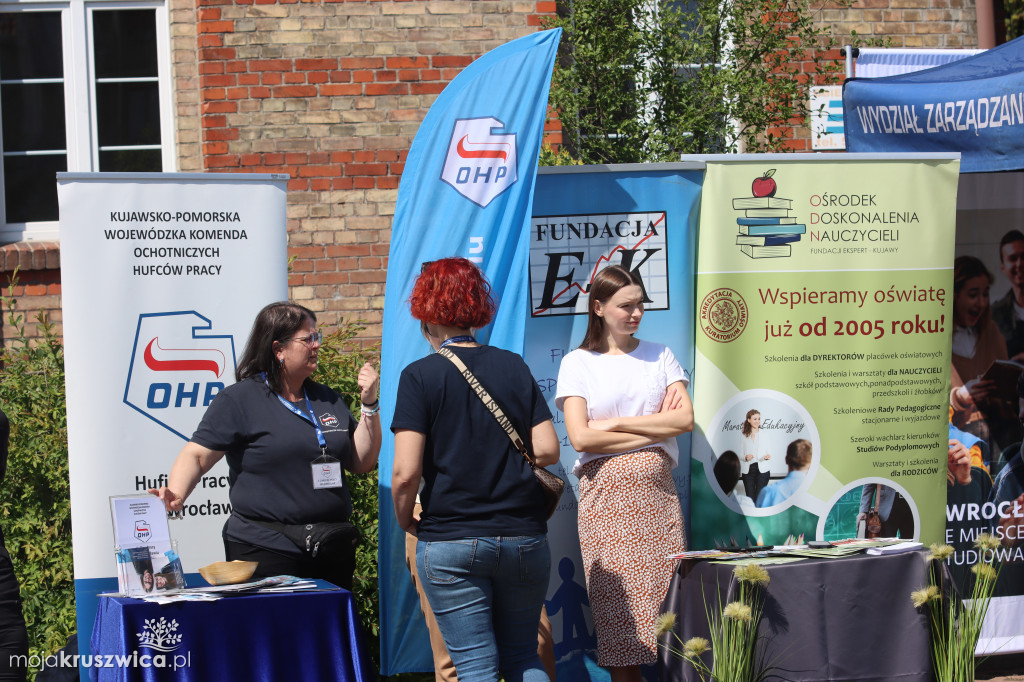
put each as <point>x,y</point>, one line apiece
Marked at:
<point>824,313</point>
<point>985,397</point>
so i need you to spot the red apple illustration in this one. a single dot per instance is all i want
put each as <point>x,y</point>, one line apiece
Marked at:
<point>764,186</point>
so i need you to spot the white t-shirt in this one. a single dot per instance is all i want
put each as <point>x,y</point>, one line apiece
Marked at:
<point>964,341</point>
<point>627,385</point>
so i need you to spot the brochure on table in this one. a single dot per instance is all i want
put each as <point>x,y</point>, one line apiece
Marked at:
<point>147,561</point>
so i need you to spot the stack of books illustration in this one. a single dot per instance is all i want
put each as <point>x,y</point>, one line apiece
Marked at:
<point>766,229</point>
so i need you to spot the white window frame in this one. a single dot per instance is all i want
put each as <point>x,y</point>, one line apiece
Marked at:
<point>80,95</point>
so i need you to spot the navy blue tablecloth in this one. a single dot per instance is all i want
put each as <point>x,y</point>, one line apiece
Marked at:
<point>280,636</point>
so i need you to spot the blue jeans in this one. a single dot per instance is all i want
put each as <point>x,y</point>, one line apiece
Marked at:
<point>486,594</point>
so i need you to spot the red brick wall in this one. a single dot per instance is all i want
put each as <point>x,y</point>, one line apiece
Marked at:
<point>36,268</point>
<point>332,94</point>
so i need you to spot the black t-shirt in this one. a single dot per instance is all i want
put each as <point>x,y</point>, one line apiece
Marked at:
<point>269,450</point>
<point>476,484</point>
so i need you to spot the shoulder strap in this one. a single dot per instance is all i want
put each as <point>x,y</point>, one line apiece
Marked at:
<point>489,403</point>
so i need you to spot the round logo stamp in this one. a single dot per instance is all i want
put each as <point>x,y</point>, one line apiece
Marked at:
<point>723,315</point>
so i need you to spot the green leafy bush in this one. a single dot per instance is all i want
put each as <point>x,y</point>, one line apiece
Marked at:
<point>35,508</point>
<point>341,357</point>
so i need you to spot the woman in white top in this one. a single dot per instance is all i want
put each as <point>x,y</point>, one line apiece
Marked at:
<point>625,402</point>
<point>755,452</point>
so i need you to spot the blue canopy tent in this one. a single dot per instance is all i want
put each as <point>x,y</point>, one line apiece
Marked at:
<point>974,106</point>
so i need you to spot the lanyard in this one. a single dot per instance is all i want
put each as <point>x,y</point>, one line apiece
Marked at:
<point>310,417</point>
<point>457,339</point>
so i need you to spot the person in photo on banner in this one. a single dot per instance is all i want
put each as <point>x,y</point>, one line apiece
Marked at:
<point>755,456</point>
<point>1008,311</point>
<point>977,347</point>
<point>482,555</point>
<point>893,510</point>
<point>798,461</point>
<point>624,401</point>
<point>288,442</point>
<point>727,475</point>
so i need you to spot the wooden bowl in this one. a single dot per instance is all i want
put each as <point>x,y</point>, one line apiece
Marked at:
<point>228,572</point>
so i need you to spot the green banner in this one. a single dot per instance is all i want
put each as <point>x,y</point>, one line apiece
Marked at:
<point>824,303</point>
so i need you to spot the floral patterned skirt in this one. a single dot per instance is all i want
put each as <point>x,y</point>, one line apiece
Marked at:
<point>629,521</point>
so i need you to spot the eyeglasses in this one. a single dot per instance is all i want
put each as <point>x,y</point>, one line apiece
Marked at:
<point>314,338</point>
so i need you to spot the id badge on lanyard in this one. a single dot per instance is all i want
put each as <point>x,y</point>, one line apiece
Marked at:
<point>326,472</point>
<point>326,469</point>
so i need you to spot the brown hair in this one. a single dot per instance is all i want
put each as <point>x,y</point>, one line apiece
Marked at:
<point>747,428</point>
<point>276,322</point>
<point>605,285</point>
<point>965,268</point>
<point>798,454</point>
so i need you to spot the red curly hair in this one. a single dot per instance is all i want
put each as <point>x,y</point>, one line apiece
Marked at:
<point>452,292</point>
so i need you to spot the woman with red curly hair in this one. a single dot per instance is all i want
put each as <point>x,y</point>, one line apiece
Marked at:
<point>482,551</point>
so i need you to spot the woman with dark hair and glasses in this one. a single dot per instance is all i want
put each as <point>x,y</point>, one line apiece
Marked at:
<point>482,554</point>
<point>288,442</point>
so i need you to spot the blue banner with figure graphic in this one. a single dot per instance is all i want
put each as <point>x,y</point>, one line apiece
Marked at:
<point>466,191</point>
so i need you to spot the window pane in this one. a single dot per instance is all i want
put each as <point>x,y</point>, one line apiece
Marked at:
<point>131,161</point>
<point>124,43</point>
<point>30,46</point>
<point>128,113</point>
<point>30,187</point>
<point>33,116</point>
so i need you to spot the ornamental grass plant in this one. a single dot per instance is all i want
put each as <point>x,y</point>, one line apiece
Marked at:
<point>734,643</point>
<point>955,623</point>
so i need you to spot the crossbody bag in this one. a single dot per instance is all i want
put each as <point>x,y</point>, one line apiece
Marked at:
<point>552,486</point>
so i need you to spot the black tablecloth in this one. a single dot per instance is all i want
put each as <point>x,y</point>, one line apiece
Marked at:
<point>824,619</point>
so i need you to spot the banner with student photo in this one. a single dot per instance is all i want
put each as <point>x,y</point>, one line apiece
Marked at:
<point>643,218</point>
<point>824,310</point>
<point>985,400</point>
<point>163,274</point>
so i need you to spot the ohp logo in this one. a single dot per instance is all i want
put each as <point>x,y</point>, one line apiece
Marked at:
<point>175,372</point>
<point>480,164</point>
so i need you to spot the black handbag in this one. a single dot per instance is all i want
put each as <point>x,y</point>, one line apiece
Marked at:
<point>552,486</point>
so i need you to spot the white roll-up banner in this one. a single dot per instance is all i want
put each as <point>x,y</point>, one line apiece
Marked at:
<point>162,276</point>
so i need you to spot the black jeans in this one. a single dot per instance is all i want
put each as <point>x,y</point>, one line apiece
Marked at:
<point>754,481</point>
<point>334,569</point>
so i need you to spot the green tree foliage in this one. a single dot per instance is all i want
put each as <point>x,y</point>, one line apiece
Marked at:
<point>648,80</point>
<point>1014,18</point>
<point>35,508</point>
